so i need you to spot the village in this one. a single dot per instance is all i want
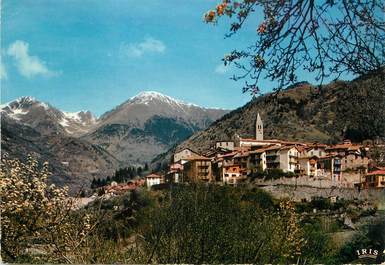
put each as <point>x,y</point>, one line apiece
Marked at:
<point>241,160</point>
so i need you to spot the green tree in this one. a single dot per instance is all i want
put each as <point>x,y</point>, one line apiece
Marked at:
<point>139,171</point>
<point>211,224</point>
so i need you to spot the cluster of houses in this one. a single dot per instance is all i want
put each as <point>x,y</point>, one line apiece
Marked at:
<point>115,188</point>
<point>234,161</point>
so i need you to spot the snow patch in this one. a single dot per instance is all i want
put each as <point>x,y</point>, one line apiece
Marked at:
<point>146,97</point>
<point>64,122</point>
<point>25,100</point>
<point>16,113</point>
<point>73,116</point>
<point>44,105</point>
<point>76,116</point>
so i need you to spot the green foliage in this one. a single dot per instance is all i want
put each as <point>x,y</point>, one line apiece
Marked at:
<point>211,224</point>
<point>319,247</point>
<point>118,214</point>
<point>369,236</point>
<point>121,175</point>
<point>260,197</point>
<point>321,203</point>
<point>348,252</point>
<point>277,173</point>
<point>363,109</point>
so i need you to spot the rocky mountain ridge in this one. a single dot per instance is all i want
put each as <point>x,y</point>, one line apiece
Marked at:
<point>46,118</point>
<point>80,146</point>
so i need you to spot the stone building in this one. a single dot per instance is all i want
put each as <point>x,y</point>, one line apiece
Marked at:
<point>197,168</point>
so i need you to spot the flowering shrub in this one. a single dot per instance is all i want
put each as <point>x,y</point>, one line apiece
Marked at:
<point>37,218</point>
<point>292,239</point>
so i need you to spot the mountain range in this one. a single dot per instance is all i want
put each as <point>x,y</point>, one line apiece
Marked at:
<point>80,146</point>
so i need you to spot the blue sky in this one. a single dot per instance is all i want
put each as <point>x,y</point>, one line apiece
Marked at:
<point>93,55</point>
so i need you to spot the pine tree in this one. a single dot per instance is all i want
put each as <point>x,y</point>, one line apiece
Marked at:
<point>93,183</point>
<point>139,171</point>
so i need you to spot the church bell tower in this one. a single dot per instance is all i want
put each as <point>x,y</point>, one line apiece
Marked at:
<point>259,128</point>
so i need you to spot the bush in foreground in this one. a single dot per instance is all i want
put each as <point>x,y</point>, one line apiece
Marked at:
<point>37,217</point>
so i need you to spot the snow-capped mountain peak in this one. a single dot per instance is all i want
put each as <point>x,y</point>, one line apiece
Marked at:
<point>146,97</point>
<point>22,106</point>
<point>47,119</point>
<point>22,102</point>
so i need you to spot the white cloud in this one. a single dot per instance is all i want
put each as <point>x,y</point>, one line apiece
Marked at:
<point>149,45</point>
<point>27,65</point>
<point>222,69</point>
<point>3,71</point>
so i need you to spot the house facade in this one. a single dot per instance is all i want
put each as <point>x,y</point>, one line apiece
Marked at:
<point>375,179</point>
<point>288,157</point>
<point>232,175</point>
<point>257,160</point>
<point>153,179</point>
<point>228,145</point>
<point>183,155</point>
<point>197,168</point>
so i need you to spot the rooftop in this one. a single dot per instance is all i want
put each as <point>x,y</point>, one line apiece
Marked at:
<point>196,157</point>
<point>376,172</point>
<point>153,176</point>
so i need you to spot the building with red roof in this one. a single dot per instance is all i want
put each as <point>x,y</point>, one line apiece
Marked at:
<point>375,179</point>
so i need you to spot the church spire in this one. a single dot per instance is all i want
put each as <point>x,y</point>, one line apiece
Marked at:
<point>259,128</point>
